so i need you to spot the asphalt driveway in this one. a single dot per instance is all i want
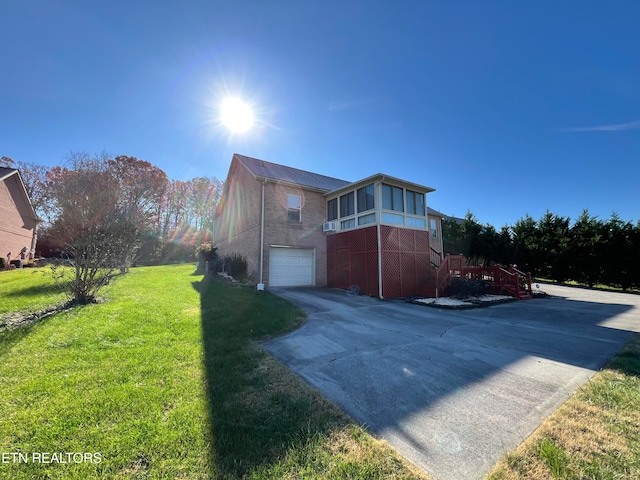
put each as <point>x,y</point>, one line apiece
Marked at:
<point>452,390</point>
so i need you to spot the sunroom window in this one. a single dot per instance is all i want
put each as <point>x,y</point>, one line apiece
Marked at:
<point>392,198</point>
<point>332,209</point>
<point>366,198</point>
<point>415,203</point>
<point>347,205</point>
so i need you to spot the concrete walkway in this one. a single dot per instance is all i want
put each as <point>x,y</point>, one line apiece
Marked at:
<point>454,390</point>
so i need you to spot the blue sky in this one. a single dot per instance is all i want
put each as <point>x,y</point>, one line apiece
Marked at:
<point>506,108</point>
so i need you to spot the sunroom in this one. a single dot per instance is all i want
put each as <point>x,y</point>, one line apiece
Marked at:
<point>381,237</point>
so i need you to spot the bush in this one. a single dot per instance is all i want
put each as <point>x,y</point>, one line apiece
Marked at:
<point>236,266</point>
<point>206,253</point>
<point>3,263</point>
<point>463,287</point>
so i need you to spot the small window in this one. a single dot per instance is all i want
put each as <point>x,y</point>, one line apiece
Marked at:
<point>345,224</point>
<point>294,205</point>
<point>366,198</point>
<point>392,198</point>
<point>415,203</point>
<point>332,209</point>
<point>416,222</point>
<point>392,218</point>
<point>347,204</point>
<point>365,219</point>
<point>434,228</point>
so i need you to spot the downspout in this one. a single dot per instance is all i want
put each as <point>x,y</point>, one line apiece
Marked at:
<point>379,210</point>
<point>261,284</point>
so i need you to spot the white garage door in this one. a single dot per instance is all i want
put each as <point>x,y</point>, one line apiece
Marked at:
<point>290,267</point>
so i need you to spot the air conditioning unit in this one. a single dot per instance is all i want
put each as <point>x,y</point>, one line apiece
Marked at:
<point>329,227</point>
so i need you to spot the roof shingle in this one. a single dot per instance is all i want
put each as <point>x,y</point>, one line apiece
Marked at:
<point>282,173</point>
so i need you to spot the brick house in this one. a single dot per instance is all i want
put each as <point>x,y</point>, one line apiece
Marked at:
<point>18,220</point>
<point>297,228</point>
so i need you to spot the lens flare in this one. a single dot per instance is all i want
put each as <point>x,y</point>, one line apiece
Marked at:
<point>236,115</point>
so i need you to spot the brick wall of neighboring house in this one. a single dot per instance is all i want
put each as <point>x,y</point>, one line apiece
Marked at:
<point>237,226</point>
<point>16,224</point>
<point>304,234</point>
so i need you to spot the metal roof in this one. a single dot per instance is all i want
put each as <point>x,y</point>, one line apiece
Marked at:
<point>282,173</point>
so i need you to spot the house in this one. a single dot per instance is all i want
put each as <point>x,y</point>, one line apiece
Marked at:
<point>297,228</point>
<point>18,220</point>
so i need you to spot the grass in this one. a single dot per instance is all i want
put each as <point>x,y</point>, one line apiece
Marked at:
<point>597,286</point>
<point>28,289</point>
<point>594,435</point>
<point>165,380</point>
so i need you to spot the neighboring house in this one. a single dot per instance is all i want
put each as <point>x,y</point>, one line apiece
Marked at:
<point>300,228</point>
<point>18,220</point>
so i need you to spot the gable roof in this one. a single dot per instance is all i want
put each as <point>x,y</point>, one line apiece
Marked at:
<point>282,173</point>
<point>8,172</point>
<point>434,212</point>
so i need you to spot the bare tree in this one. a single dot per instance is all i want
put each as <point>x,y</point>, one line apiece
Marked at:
<point>7,162</point>
<point>101,213</point>
<point>35,182</point>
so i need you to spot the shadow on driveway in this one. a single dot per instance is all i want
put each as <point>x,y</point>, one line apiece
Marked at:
<point>454,390</point>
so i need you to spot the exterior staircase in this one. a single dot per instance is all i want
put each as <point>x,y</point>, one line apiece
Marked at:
<point>500,280</point>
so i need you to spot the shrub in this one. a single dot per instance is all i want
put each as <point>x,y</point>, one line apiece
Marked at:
<point>206,253</point>
<point>3,263</point>
<point>236,266</point>
<point>464,287</point>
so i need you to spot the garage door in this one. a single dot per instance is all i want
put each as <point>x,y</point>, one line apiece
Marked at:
<point>290,267</point>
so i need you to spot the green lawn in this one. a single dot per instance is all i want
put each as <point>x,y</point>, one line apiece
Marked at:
<point>29,289</point>
<point>164,380</point>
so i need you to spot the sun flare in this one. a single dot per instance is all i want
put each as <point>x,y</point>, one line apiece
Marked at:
<point>236,115</point>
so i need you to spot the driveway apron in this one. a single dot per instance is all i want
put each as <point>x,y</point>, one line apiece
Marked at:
<point>453,390</point>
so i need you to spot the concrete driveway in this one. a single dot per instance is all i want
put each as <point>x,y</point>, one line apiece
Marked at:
<point>454,390</point>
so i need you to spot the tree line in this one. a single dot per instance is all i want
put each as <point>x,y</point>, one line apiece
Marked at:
<point>103,213</point>
<point>588,250</point>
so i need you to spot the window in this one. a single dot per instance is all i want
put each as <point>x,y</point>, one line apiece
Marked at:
<point>366,198</point>
<point>347,206</point>
<point>332,209</point>
<point>434,228</point>
<point>294,204</point>
<point>347,224</point>
<point>365,219</point>
<point>415,203</point>
<point>416,222</point>
<point>392,218</point>
<point>392,198</point>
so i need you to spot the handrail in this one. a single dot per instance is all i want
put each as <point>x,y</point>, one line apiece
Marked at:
<point>446,270</point>
<point>514,281</point>
<point>435,257</point>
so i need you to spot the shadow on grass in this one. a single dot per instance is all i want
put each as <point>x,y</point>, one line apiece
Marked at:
<point>38,290</point>
<point>9,337</point>
<point>627,361</point>
<point>259,410</point>
<point>16,326</point>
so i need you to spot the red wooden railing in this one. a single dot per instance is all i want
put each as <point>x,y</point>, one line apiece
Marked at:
<point>450,267</point>
<point>502,280</point>
<point>436,257</point>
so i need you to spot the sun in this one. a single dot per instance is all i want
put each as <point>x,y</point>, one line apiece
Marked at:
<point>236,115</point>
